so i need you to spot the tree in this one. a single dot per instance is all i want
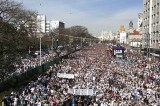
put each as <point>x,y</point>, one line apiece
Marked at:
<point>14,31</point>
<point>12,45</point>
<point>78,36</point>
<point>15,14</point>
<point>20,18</point>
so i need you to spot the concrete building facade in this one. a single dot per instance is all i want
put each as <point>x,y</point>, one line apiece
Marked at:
<point>151,25</point>
<point>122,38</point>
<point>51,25</point>
<point>41,23</point>
<point>134,39</point>
<point>44,26</point>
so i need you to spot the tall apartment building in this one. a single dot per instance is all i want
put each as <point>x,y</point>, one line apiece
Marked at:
<point>41,24</point>
<point>151,26</point>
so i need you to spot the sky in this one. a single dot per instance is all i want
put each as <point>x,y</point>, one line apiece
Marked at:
<point>96,15</point>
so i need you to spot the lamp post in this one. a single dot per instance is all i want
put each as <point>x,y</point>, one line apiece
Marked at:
<point>51,34</point>
<point>57,43</point>
<point>40,46</point>
<point>90,42</point>
<point>81,42</point>
<point>148,46</point>
<point>29,52</point>
<point>52,46</point>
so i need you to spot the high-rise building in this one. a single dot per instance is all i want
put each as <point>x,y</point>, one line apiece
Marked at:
<point>151,26</point>
<point>41,23</point>
<point>44,26</point>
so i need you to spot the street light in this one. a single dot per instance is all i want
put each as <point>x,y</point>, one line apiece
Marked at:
<point>159,48</point>
<point>148,46</point>
<point>51,33</point>
<point>52,46</point>
<point>40,46</point>
<point>81,42</point>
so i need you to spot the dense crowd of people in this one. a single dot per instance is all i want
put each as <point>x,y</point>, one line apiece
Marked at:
<point>133,81</point>
<point>30,63</point>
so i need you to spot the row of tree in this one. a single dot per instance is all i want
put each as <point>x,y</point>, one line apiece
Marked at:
<point>72,37</point>
<point>17,35</point>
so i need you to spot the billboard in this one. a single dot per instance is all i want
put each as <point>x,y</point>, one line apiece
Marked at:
<point>88,92</point>
<point>64,75</point>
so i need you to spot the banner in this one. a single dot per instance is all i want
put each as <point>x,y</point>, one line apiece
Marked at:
<point>64,75</point>
<point>90,92</point>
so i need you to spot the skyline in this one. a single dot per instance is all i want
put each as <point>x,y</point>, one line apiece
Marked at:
<point>96,15</point>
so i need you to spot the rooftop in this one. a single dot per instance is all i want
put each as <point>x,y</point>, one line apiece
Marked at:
<point>135,33</point>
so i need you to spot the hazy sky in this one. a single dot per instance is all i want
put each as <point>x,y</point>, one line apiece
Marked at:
<point>96,15</point>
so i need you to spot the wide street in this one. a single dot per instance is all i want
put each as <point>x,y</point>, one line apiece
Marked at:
<point>92,76</point>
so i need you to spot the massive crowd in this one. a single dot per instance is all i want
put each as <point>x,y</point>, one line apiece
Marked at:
<point>132,81</point>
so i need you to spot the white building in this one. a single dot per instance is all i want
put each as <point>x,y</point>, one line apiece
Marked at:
<point>41,23</point>
<point>51,25</point>
<point>122,38</point>
<point>44,26</point>
<point>151,24</point>
<point>134,39</point>
<point>48,26</point>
